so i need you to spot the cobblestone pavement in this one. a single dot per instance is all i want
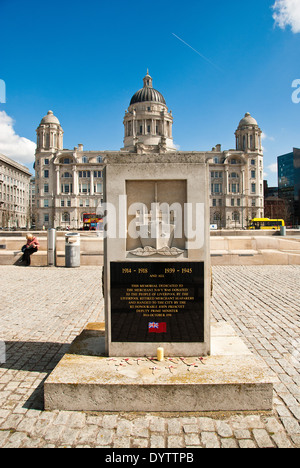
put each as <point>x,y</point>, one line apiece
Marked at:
<point>42,310</point>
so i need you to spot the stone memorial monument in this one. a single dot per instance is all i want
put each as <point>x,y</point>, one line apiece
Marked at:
<point>158,350</point>
<point>157,261</point>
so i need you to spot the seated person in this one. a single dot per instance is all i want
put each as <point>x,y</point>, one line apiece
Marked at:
<point>30,248</point>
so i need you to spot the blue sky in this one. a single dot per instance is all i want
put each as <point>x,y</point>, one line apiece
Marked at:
<point>85,60</point>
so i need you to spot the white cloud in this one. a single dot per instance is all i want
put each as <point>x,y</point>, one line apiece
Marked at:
<point>273,168</point>
<point>287,13</point>
<point>264,136</point>
<point>18,148</point>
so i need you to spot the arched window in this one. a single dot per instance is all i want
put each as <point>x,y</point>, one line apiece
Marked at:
<point>65,217</point>
<point>66,161</point>
<point>236,216</point>
<point>99,159</point>
<point>85,160</point>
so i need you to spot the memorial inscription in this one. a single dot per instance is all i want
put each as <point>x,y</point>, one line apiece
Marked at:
<point>157,302</point>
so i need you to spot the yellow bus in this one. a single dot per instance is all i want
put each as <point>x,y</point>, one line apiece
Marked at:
<point>266,223</point>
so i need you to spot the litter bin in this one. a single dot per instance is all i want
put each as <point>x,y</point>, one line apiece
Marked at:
<point>72,250</point>
<point>283,230</point>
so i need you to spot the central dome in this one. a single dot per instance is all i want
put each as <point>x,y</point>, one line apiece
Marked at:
<point>147,93</point>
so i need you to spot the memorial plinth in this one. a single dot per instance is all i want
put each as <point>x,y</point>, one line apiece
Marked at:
<point>231,379</point>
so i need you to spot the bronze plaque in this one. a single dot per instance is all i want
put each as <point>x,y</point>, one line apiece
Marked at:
<point>157,302</point>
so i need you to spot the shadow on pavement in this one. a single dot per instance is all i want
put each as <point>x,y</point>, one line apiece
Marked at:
<point>37,358</point>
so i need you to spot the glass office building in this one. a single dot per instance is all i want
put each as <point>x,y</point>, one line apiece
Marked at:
<point>289,183</point>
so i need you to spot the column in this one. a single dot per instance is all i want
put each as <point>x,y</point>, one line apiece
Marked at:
<point>75,181</point>
<point>92,183</point>
<point>226,181</point>
<point>57,180</point>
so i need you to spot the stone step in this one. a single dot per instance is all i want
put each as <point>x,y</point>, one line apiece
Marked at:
<point>86,244</point>
<point>231,379</point>
<point>262,257</point>
<point>40,258</point>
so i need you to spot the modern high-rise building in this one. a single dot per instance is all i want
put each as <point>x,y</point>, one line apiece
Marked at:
<point>289,184</point>
<point>69,182</point>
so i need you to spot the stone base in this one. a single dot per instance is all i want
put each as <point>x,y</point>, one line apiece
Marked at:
<point>231,379</point>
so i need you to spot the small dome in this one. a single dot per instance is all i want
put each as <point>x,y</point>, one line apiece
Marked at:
<point>247,121</point>
<point>50,119</point>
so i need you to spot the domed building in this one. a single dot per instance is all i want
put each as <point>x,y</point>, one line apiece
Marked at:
<point>147,122</point>
<point>248,135</point>
<point>49,133</point>
<point>69,182</point>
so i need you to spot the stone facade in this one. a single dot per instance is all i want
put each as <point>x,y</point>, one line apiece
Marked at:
<point>69,183</point>
<point>14,194</point>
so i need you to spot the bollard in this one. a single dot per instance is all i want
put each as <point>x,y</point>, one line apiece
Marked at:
<point>283,230</point>
<point>51,247</point>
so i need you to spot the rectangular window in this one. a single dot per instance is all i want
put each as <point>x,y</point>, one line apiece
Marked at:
<point>46,218</point>
<point>98,188</point>
<point>46,174</point>
<point>46,188</point>
<point>253,188</point>
<point>232,202</point>
<point>216,188</point>
<point>214,202</point>
<point>83,188</point>
<point>253,174</point>
<point>46,203</point>
<point>62,203</point>
<point>46,162</point>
